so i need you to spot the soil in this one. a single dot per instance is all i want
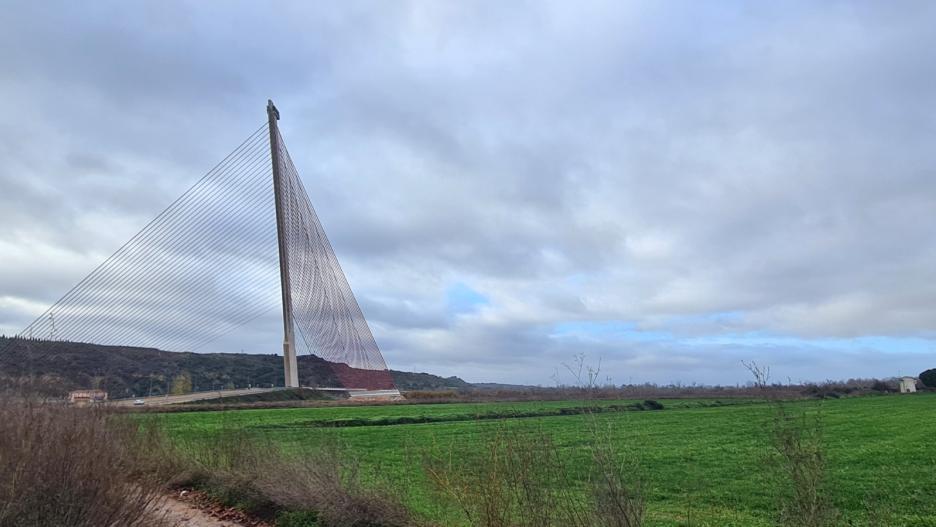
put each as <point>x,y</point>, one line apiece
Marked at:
<point>194,509</point>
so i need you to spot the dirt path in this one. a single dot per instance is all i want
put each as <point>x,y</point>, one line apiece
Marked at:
<point>193,509</point>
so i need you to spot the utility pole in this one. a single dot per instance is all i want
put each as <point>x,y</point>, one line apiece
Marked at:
<point>290,366</point>
<point>29,359</point>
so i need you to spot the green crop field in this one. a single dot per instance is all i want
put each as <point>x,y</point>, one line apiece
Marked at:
<point>704,462</point>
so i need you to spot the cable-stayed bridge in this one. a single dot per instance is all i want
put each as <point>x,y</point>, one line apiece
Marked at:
<point>243,241</point>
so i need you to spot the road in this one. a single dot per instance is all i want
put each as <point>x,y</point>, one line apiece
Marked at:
<point>162,400</point>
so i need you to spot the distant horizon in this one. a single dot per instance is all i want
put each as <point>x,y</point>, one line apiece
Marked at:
<point>572,382</point>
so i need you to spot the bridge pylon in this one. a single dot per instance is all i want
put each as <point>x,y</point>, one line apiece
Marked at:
<point>290,364</point>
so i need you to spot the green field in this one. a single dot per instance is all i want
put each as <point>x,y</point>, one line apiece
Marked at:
<point>702,460</point>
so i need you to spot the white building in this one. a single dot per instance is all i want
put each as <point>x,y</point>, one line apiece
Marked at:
<point>87,397</point>
<point>908,385</point>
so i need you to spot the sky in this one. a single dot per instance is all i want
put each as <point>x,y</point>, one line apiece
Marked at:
<point>664,188</point>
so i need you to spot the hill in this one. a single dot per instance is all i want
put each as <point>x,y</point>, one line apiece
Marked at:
<point>129,371</point>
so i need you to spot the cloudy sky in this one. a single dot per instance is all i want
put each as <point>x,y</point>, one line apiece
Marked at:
<point>667,187</point>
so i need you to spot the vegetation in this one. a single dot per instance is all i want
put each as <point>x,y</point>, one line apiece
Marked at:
<point>135,372</point>
<point>181,384</point>
<point>697,462</point>
<point>75,467</point>
<point>796,433</point>
<point>517,479</point>
<point>317,487</point>
<point>849,461</point>
<point>503,413</point>
<point>928,378</point>
<point>90,467</point>
<point>264,399</point>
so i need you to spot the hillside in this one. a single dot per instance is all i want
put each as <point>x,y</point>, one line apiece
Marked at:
<point>129,371</point>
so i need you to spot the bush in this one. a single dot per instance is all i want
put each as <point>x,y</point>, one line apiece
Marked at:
<point>928,378</point>
<point>796,432</point>
<point>81,467</point>
<point>311,489</point>
<point>650,404</point>
<point>805,498</point>
<point>520,480</point>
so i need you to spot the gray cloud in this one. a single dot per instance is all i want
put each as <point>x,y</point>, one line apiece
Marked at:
<point>651,164</point>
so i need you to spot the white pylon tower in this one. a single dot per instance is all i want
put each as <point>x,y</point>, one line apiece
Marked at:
<point>290,365</point>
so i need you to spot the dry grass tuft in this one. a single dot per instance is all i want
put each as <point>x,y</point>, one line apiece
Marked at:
<point>71,466</point>
<point>796,435</point>
<point>520,481</point>
<point>258,476</point>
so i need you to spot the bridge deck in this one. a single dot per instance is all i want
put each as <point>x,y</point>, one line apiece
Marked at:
<point>163,400</point>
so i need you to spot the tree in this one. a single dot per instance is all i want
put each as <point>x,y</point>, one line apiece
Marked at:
<point>181,384</point>
<point>928,378</point>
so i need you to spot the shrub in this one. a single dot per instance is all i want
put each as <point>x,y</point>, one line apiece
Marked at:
<point>928,378</point>
<point>316,488</point>
<point>520,480</point>
<point>798,451</point>
<point>650,404</point>
<point>797,438</point>
<point>81,467</point>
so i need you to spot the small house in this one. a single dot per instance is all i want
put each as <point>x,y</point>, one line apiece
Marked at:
<point>87,397</point>
<point>908,385</point>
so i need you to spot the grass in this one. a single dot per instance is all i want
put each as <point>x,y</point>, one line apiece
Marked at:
<point>286,395</point>
<point>704,462</point>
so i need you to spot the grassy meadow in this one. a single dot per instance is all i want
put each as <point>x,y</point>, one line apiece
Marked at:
<point>701,461</point>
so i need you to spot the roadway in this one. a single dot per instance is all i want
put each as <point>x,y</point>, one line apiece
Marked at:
<point>162,400</point>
